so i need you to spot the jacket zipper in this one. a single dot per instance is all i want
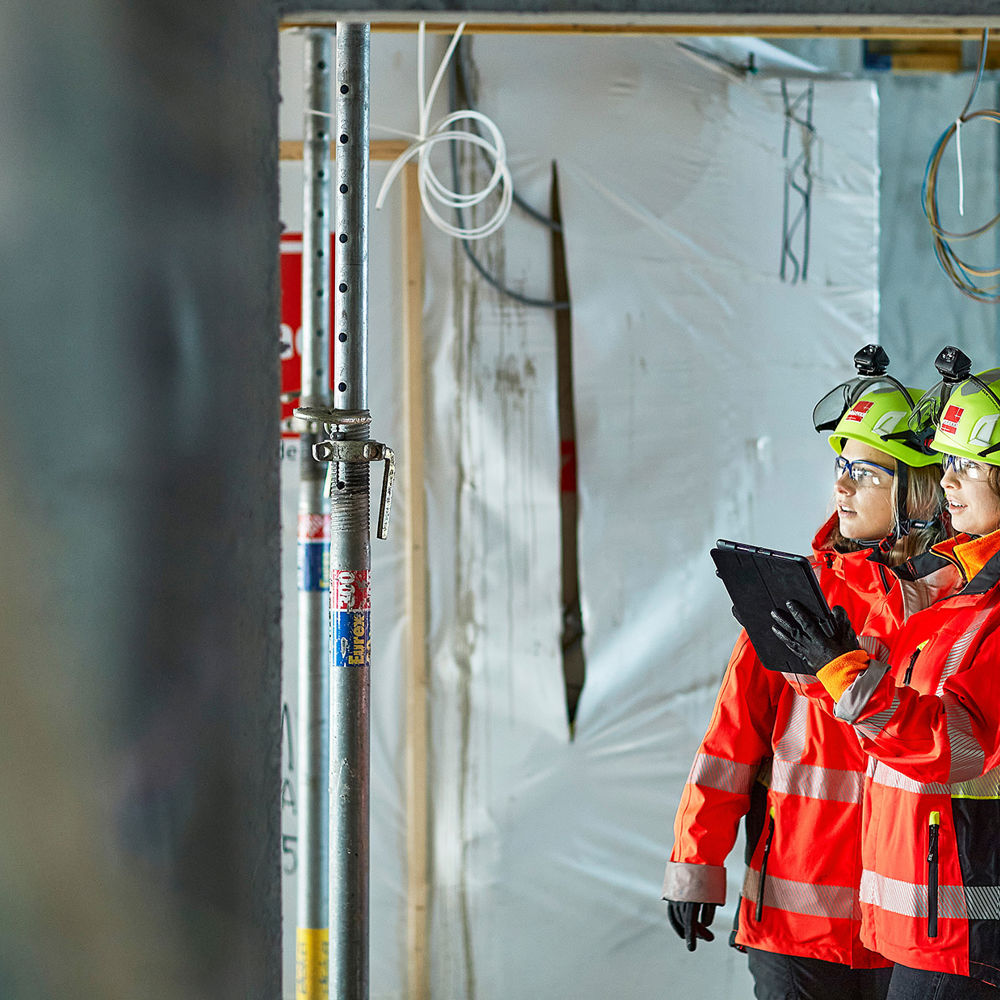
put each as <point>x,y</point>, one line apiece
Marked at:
<point>913,659</point>
<point>759,911</point>
<point>932,874</point>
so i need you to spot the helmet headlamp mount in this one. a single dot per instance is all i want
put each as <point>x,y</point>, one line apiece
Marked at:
<point>953,365</point>
<point>872,364</point>
<point>871,361</point>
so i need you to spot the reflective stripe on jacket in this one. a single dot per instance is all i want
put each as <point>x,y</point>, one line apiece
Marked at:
<point>930,718</point>
<point>764,727</point>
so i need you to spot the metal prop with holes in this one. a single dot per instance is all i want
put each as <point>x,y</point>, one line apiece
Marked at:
<point>349,452</point>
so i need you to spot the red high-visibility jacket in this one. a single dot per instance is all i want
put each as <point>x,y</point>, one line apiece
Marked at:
<point>762,724</point>
<point>930,719</point>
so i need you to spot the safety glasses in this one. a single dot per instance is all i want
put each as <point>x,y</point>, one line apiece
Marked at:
<point>966,468</point>
<point>864,475</point>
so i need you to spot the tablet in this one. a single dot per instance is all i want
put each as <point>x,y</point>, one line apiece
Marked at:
<point>760,580</point>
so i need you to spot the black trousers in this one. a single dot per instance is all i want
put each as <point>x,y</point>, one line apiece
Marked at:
<point>787,977</point>
<point>919,984</point>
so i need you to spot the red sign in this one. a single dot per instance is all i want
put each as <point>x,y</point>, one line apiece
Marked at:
<point>291,326</point>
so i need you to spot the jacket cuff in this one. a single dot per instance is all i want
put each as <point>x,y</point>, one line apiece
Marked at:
<point>839,674</point>
<point>854,701</point>
<point>688,883</point>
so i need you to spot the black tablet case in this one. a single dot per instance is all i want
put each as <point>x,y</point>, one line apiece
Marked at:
<point>759,580</point>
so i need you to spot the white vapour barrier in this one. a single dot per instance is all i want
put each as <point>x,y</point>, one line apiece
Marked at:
<point>696,369</point>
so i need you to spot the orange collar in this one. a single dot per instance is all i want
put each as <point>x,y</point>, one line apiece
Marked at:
<point>970,554</point>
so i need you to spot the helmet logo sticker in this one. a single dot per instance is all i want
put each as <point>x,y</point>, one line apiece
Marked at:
<point>888,421</point>
<point>949,422</point>
<point>983,431</point>
<point>859,411</point>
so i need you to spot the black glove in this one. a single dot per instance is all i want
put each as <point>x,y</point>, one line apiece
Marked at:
<point>816,640</point>
<point>689,923</point>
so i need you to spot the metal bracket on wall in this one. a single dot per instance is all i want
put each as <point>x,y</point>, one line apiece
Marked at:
<point>798,182</point>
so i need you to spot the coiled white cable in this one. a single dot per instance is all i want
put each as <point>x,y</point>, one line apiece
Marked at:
<point>432,190</point>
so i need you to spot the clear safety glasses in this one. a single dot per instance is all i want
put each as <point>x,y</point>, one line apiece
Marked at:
<point>864,475</point>
<point>966,468</point>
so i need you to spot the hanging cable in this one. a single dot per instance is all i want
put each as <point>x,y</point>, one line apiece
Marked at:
<point>962,274</point>
<point>459,78</point>
<point>979,73</point>
<point>432,190</point>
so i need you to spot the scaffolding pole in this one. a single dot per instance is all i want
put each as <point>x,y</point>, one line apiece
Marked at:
<point>350,548</point>
<point>349,452</point>
<point>312,933</point>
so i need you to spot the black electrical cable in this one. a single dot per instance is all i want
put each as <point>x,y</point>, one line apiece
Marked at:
<point>457,76</point>
<point>979,72</point>
<point>461,79</point>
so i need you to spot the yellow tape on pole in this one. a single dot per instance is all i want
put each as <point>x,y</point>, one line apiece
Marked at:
<point>312,963</point>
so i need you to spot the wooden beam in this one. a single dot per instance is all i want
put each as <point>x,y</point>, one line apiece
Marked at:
<point>926,61</point>
<point>416,749</point>
<point>961,29</point>
<point>379,149</point>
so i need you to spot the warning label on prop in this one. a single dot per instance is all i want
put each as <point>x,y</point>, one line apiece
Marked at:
<point>314,552</point>
<point>291,326</point>
<point>350,590</point>
<point>312,963</point>
<point>352,642</point>
<point>351,623</point>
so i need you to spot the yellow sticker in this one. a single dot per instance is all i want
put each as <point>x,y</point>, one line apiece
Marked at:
<point>312,963</point>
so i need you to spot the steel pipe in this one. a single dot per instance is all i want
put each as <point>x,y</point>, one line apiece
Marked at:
<point>313,920</point>
<point>350,541</point>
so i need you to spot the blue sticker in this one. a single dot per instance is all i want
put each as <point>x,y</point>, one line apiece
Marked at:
<point>351,638</point>
<point>314,566</point>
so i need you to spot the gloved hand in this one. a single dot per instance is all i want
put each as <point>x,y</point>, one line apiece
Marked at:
<point>816,640</point>
<point>691,921</point>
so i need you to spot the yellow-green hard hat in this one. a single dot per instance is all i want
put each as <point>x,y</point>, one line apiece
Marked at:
<point>969,425</point>
<point>879,419</point>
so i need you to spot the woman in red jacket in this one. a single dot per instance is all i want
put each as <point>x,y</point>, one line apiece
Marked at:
<point>927,711</point>
<point>776,754</point>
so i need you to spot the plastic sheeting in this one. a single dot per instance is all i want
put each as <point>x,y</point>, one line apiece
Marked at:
<point>696,368</point>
